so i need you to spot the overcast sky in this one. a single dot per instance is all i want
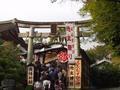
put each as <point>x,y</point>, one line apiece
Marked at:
<point>40,10</point>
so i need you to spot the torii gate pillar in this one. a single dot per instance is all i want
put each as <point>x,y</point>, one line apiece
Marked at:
<point>30,46</point>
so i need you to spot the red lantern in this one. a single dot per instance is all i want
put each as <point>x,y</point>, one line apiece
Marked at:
<point>62,56</point>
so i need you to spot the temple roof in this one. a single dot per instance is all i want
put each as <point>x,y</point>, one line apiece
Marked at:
<point>9,32</point>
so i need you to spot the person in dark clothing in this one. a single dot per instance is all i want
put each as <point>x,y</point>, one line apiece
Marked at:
<point>58,85</point>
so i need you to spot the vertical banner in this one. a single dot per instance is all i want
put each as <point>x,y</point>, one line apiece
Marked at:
<point>78,73</point>
<point>70,41</point>
<point>71,52</point>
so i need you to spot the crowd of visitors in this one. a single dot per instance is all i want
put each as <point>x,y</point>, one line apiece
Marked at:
<point>50,77</point>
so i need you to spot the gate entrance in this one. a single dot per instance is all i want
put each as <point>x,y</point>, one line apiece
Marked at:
<point>64,34</point>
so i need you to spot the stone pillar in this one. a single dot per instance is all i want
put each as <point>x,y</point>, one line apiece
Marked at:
<point>30,46</point>
<point>78,61</point>
<point>77,41</point>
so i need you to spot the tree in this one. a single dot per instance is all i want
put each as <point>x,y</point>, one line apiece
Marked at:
<point>105,21</point>
<point>106,77</point>
<point>97,53</point>
<point>10,67</point>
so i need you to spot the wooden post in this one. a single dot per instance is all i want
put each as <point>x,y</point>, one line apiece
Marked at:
<point>53,29</point>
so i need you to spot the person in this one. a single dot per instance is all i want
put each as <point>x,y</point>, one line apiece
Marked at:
<point>64,79</point>
<point>38,86</point>
<point>46,84</point>
<point>58,85</point>
<point>60,75</point>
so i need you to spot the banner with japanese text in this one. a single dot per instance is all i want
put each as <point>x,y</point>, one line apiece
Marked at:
<point>70,41</point>
<point>78,73</point>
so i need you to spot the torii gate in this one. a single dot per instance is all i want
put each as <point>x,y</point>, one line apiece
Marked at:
<point>54,27</point>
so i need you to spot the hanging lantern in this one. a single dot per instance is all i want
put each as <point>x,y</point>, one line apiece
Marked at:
<point>62,56</point>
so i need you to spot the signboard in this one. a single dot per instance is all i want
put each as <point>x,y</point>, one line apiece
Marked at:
<point>50,56</point>
<point>30,75</point>
<point>70,41</point>
<point>78,73</point>
<point>71,76</point>
<point>74,75</point>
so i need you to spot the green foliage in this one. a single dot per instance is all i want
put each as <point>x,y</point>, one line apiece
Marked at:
<point>10,67</point>
<point>116,60</point>
<point>105,21</point>
<point>62,31</point>
<point>98,52</point>
<point>106,77</point>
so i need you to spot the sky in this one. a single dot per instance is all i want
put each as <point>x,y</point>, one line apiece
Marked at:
<point>40,10</point>
<point>43,10</point>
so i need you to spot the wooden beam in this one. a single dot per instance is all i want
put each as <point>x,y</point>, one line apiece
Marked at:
<point>35,26</point>
<point>44,35</point>
<point>50,23</point>
<point>20,25</point>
